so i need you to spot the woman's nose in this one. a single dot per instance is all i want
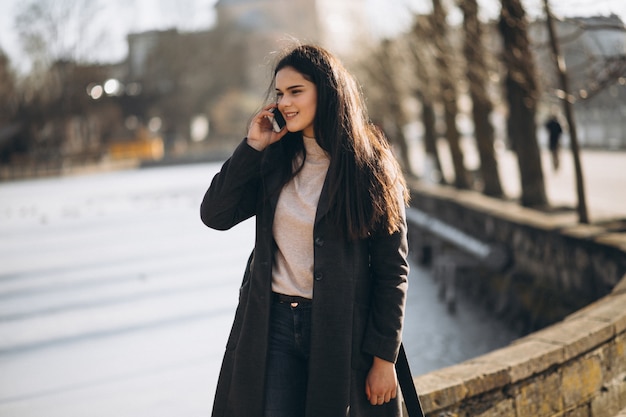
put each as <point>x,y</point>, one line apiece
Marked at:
<point>282,102</point>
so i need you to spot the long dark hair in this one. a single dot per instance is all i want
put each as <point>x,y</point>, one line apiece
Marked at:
<point>364,179</point>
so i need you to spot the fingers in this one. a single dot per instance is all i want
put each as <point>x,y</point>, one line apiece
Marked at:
<point>266,112</point>
<point>264,120</point>
<point>260,132</point>
<point>379,395</point>
<point>380,399</point>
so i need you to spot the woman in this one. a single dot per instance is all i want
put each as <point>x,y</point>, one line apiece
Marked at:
<point>319,321</point>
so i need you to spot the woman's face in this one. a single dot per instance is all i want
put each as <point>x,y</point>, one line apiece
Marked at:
<point>297,100</point>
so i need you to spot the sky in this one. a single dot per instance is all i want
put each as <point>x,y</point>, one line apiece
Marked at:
<point>387,17</point>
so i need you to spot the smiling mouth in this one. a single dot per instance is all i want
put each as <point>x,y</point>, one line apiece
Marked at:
<point>290,115</point>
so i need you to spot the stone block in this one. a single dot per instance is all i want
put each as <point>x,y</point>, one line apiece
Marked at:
<point>611,398</point>
<point>621,391</point>
<point>577,335</point>
<point>614,358</point>
<point>504,408</point>
<point>620,288</point>
<point>610,309</point>
<point>525,358</point>
<point>437,391</point>
<point>494,404</point>
<point>617,240</point>
<point>479,376</point>
<point>539,397</point>
<point>583,231</point>
<point>578,412</point>
<point>581,380</point>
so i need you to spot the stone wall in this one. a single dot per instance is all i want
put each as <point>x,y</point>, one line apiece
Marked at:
<point>575,366</point>
<point>558,266</point>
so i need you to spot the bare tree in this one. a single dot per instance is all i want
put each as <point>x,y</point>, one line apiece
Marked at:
<point>448,94</point>
<point>52,31</point>
<point>389,60</point>
<point>53,35</point>
<point>425,90</point>
<point>382,69</point>
<point>477,77</point>
<point>597,65</point>
<point>522,95</point>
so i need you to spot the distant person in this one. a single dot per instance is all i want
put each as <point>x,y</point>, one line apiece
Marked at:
<point>318,326</point>
<point>554,137</point>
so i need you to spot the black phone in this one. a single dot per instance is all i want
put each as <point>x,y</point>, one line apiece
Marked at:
<point>278,121</point>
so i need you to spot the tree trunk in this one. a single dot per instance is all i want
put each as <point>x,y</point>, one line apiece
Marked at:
<point>481,104</point>
<point>521,92</point>
<point>398,138</point>
<point>583,217</point>
<point>448,95</point>
<point>430,139</point>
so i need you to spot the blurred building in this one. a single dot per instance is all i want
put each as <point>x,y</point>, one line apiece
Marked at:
<point>222,73</point>
<point>340,25</point>
<point>594,49</point>
<point>270,25</point>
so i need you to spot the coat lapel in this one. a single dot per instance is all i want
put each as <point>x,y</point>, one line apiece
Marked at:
<point>323,205</point>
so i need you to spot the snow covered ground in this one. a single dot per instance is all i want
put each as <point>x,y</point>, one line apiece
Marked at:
<point>114,298</point>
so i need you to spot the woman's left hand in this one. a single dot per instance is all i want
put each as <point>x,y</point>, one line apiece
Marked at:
<point>381,384</point>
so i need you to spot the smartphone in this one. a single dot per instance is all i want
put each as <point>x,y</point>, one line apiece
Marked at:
<point>278,121</point>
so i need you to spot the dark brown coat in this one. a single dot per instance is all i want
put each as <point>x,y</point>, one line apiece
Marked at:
<point>358,304</point>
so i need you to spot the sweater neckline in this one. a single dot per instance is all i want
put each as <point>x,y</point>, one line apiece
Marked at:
<point>314,151</point>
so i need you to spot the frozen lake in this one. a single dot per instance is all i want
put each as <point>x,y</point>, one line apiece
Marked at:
<point>115,300</point>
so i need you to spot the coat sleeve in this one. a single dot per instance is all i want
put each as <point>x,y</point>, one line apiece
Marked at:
<point>232,195</point>
<point>389,269</point>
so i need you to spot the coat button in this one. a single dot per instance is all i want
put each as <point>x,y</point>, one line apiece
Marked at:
<point>319,242</point>
<point>318,276</point>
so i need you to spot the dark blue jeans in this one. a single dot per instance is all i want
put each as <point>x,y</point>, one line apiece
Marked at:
<point>288,360</point>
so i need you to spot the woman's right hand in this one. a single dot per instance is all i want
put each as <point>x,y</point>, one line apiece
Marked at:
<point>260,133</point>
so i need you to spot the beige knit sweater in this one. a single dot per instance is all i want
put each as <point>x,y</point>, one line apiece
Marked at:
<point>293,224</point>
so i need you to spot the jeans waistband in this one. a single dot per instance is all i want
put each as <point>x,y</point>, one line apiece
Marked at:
<point>290,299</point>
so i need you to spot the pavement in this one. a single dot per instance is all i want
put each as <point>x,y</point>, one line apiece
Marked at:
<point>604,179</point>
